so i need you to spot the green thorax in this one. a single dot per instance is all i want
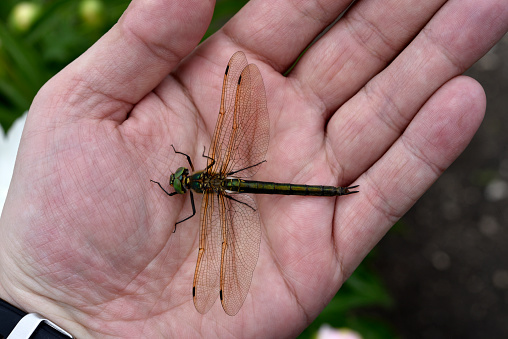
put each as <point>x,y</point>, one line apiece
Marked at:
<point>199,181</point>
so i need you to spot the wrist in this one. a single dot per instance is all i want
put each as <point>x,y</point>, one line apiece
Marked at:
<point>18,324</point>
<point>31,313</point>
<point>18,300</point>
<point>39,315</point>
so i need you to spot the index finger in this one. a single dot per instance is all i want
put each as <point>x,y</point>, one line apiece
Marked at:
<point>148,41</point>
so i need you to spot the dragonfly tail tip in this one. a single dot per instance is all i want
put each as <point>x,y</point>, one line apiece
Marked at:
<point>347,190</point>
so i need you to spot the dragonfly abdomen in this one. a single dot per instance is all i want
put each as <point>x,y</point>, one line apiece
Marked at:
<point>263,187</point>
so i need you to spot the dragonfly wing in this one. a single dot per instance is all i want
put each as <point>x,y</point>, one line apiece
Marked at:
<point>242,132</point>
<point>218,148</point>
<point>240,250</point>
<point>250,133</point>
<point>206,276</point>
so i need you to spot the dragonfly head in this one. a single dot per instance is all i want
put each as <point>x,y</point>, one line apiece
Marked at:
<point>178,180</point>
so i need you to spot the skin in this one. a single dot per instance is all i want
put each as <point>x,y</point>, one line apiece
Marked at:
<point>86,240</point>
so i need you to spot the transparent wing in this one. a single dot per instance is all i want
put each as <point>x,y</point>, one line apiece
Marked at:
<point>206,276</point>
<point>230,226</point>
<point>242,131</point>
<point>241,238</point>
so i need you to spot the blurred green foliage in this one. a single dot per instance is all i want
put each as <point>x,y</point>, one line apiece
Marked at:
<point>40,37</point>
<point>358,305</point>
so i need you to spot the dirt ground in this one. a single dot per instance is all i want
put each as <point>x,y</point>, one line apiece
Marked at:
<point>447,265</point>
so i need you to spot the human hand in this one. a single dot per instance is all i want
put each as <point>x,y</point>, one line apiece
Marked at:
<point>87,239</point>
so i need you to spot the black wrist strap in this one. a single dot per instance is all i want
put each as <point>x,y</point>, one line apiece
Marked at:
<point>11,316</point>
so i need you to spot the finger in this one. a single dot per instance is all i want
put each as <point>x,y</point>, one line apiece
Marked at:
<point>373,119</point>
<point>132,58</point>
<point>360,45</point>
<point>278,31</point>
<point>433,140</point>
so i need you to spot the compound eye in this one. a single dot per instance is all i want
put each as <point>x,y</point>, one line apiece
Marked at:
<point>177,184</point>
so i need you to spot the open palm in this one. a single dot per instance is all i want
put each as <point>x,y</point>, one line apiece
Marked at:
<point>378,101</point>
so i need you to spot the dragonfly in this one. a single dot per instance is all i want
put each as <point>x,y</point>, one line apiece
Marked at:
<point>230,226</point>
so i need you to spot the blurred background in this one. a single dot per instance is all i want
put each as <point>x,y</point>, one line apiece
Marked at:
<point>441,272</point>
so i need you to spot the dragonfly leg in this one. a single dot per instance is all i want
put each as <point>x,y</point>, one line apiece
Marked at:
<point>188,158</point>
<point>259,163</point>
<point>173,193</point>
<point>162,188</point>
<point>193,211</point>
<point>241,202</point>
<point>206,156</point>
